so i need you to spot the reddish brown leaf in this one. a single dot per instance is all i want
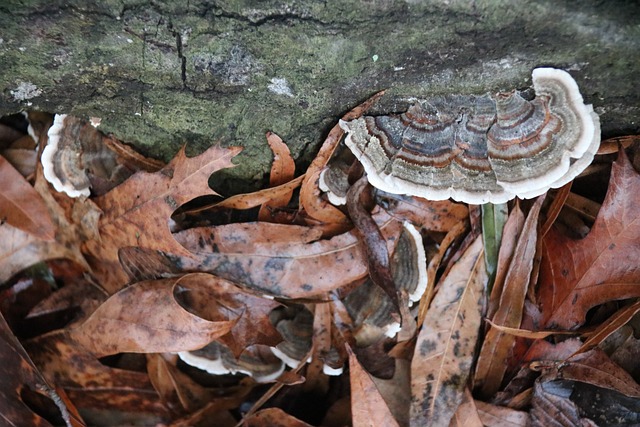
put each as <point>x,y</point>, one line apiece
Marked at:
<point>253,325</point>
<point>551,407</point>
<point>295,270</point>
<point>374,243</point>
<point>179,392</point>
<point>612,324</point>
<point>273,417</point>
<point>310,195</point>
<point>19,250</point>
<point>282,171</point>
<point>497,345</point>
<point>446,343</point>
<point>20,377</point>
<point>21,206</point>
<point>137,212</point>
<point>467,414</point>
<point>147,318</point>
<point>594,367</point>
<point>92,385</point>
<point>251,200</point>
<point>441,215</point>
<point>578,275</point>
<point>500,416</point>
<point>368,408</point>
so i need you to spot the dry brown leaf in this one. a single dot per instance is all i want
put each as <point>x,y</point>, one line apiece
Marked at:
<point>497,345</point>
<point>439,215</point>
<point>21,206</point>
<point>577,275</point>
<point>137,212</point>
<point>282,171</point>
<point>467,414</point>
<point>246,237</point>
<point>253,325</point>
<point>368,408</point>
<point>551,407</point>
<point>512,230</point>
<point>500,416</point>
<point>525,333</point>
<point>596,368</point>
<point>91,384</point>
<point>273,417</point>
<point>311,200</point>
<point>146,317</point>
<point>19,250</point>
<point>177,390</point>
<point>612,324</point>
<point>20,378</point>
<point>257,198</point>
<point>295,270</point>
<point>446,343</point>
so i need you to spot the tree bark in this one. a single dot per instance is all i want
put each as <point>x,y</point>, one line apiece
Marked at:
<point>163,73</point>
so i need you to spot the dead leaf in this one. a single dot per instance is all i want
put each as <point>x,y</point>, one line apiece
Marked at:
<point>467,414</point>
<point>612,324</point>
<point>252,311</point>
<point>137,212</point>
<point>273,417</point>
<point>497,345</point>
<point>446,343</point>
<point>146,317</point>
<point>282,171</point>
<point>21,206</point>
<point>500,416</point>
<point>90,384</point>
<point>577,275</point>
<point>295,270</point>
<point>439,215</point>
<point>551,406</point>
<point>311,200</point>
<point>374,243</point>
<point>257,198</point>
<point>21,380</point>
<point>19,249</point>
<point>175,388</point>
<point>368,408</point>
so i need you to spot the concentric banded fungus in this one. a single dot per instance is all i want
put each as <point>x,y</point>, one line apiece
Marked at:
<point>256,361</point>
<point>79,159</point>
<point>479,149</point>
<point>371,308</point>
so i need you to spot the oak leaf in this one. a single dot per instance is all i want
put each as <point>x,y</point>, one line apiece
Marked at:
<point>577,275</point>
<point>137,212</point>
<point>147,317</point>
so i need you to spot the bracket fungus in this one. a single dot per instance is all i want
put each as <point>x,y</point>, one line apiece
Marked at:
<point>79,159</point>
<point>481,149</point>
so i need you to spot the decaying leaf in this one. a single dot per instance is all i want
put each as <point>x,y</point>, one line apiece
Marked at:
<point>492,362</point>
<point>446,342</point>
<point>146,317</point>
<point>578,275</point>
<point>137,212</point>
<point>368,408</point>
<point>282,171</point>
<point>21,206</point>
<point>21,380</point>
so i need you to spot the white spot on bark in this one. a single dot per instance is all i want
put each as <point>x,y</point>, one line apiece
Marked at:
<point>25,90</point>
<point>280,86</point>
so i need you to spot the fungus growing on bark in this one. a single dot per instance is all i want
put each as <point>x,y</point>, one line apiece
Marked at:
<point>481,149</point>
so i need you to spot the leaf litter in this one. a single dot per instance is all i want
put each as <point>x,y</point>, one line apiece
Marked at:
<point>125,292</point>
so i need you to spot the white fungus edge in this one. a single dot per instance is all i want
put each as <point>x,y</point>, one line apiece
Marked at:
<point>47,160</point>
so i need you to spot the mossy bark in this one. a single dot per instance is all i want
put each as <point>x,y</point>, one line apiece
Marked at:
<point>164,73</point>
